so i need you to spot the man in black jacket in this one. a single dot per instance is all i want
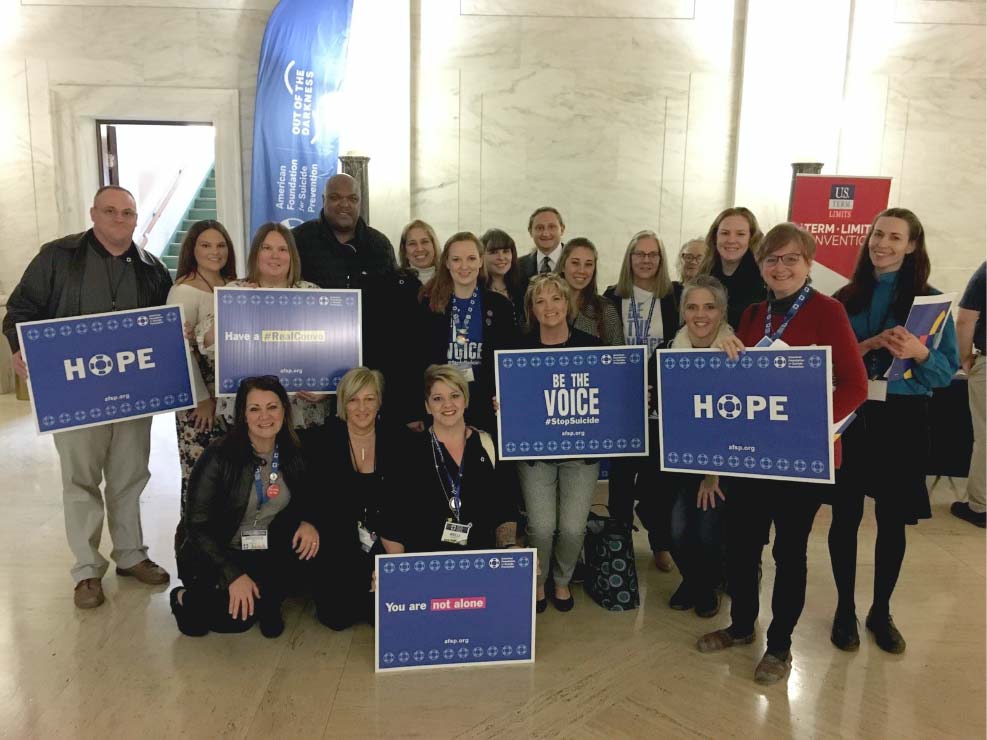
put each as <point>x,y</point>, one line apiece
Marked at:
<point>339,250</point>
<point>546,228</point>
<point>98,271</point>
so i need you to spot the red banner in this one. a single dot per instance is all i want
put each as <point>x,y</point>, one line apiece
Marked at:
<point>838,211</point>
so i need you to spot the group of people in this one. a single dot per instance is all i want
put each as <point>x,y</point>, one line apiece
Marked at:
<point>286,492</point>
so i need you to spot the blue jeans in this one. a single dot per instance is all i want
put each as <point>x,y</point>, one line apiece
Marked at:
<point>557,493</point>
<point>696,537</point>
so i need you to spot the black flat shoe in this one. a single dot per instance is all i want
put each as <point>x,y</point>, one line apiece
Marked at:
<point>708,605</point>
<point>564,605</point>
<point>541,605</point>
<point>886,635</point>
<point>845,634</point>
<point>681,600</point>
<point>271,622</point>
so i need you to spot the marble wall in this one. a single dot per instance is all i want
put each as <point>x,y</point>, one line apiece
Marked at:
<point>625,114</point>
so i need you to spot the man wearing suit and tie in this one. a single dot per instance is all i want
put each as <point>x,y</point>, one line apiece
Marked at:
<point>546,228</point>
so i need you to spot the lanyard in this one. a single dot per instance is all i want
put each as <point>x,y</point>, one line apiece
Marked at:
<point>114,287</point>
<point>642,328</point>
<point>258,486</point>
<point>445,479</point>
<point>799,302</point>
<point>461,335</point>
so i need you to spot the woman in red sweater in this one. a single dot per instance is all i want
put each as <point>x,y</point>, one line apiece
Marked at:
<point>799,316</point>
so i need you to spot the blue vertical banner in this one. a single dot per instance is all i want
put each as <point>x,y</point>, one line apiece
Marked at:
<point>296,139</point>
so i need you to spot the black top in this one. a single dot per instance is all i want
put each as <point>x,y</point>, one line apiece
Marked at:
<point>577,338</point>
<point>499,332</point>
<point>744,288</point>
<point>973,300</point>
<point>330,264</point>
<point>219,489</point>
<point>58,282</point>
<point>417,504</point>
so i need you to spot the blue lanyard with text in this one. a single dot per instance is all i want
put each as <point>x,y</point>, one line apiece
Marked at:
<point>461,336</point>
<point>258,486</point>
<point>455,486</point>
<point>642,329</point>
<point>799,302</point>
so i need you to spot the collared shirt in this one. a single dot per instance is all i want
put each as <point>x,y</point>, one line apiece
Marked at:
<point>553,259</point>
<point>110,281</point>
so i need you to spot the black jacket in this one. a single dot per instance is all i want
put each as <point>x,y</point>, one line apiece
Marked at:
<point>744,287</point>
<point>52,284</point>
<point>219,489</point>
<point>329,264</point>
<point>528,264</point>
<point>500,331</point>
<point>669,311</point>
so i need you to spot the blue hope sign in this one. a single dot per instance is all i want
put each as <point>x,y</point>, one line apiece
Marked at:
<point>766,415</point>
<point>101,368</point>
<point>445,609</point>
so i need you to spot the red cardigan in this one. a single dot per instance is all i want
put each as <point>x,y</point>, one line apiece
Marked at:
<point>821,321</point>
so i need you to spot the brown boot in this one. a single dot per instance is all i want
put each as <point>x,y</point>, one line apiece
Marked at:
<point>146,571</point>
<point>89,593</point>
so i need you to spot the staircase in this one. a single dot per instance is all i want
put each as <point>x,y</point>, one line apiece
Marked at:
<point>203,206</point>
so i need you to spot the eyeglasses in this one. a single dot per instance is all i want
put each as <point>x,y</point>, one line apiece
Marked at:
<point>788,260</point>
<point>690,258</point>
<point>646,256</point>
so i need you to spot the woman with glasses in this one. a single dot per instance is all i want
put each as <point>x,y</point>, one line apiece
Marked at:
<point>248,524</point>
<point>206,261</point>
<point>730,245</point>
<point>644,300</point>
<point>691,256</point>
<point>453,493</point>
<point>887,446</point>
<point>594,315</point>
<point>464,323</point>
<point>799,316</point>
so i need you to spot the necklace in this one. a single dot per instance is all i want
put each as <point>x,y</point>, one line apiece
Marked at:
<point>368,437</point>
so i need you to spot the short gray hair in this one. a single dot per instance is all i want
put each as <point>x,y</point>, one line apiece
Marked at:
<point>711,284</point>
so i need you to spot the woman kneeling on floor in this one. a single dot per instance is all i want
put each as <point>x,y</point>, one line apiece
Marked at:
<point>246,525</point>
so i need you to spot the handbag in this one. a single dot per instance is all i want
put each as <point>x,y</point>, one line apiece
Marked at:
<point>611,573</point>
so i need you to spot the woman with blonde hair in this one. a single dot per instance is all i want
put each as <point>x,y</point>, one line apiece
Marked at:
<point>645,302</point>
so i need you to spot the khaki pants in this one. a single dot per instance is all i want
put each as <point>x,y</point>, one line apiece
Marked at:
<point>119,452</point>
<point>976,483</point>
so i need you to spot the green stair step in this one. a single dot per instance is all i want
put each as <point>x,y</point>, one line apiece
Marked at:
<point>198,214</point>
<point>206,203</point>
<point>208,192</point>
<point>170,260</point>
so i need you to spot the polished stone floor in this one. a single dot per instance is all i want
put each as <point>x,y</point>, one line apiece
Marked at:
<point>123,670</point>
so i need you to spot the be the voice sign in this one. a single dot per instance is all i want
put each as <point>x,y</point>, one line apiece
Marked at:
<point>581,399</point>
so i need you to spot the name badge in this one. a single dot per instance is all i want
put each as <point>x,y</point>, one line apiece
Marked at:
<point>455,533</point>
<point>367,538</point>
<point>253,539</point>
<point>877,390</point>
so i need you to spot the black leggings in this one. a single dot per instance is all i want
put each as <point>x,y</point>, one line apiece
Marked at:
<point>884,454</point>
<point>641,479</point>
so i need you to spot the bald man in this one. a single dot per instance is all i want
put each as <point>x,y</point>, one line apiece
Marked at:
<point>338,249</point>
<point>98,271</point>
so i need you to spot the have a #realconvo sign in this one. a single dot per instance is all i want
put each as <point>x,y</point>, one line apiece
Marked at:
<point>97,369</point>
<point>444,609</point>
<point>766,415</point>
<point>565,403</point>
<point>307,338</point>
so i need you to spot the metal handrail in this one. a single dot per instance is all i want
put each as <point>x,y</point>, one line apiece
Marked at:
<point>159,209</point>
